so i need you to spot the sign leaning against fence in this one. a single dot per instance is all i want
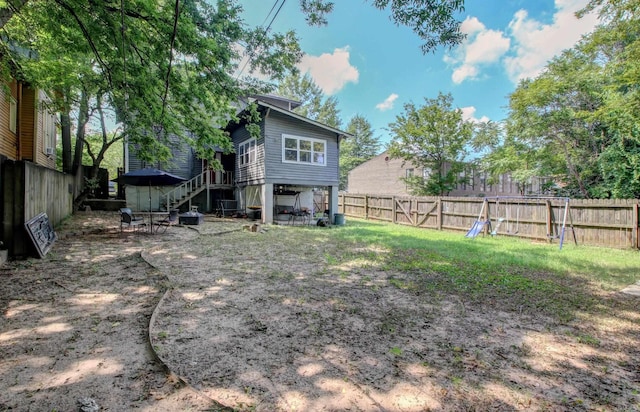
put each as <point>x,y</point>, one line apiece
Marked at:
<point>41,233</point>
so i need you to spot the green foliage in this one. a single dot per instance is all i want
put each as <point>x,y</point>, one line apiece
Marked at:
<point>166,71</point>
<point>432,20</point>
<point>357,148</point>
<point>578,121</point>
<point>315,105</point>
<point>433,137</point>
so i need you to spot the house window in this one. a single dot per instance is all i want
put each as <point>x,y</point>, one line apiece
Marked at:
<point>13,115</point>
<point>426,173</point>
<point>49,131</point>
<point>303,150</point>
<point>409,173</point>
<point>247,152</point>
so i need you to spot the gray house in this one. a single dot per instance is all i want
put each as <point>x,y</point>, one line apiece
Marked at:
<point>293,156</point>
<point>274,172</point>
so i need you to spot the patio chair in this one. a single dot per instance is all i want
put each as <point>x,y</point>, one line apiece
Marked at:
<point>170,220</point>
<point>302,214</point>
<point>128,218</point>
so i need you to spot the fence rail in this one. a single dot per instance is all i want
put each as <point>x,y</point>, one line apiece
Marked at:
<point>599,222</point>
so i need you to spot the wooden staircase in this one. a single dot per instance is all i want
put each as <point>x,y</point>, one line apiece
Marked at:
<point>186,191</point>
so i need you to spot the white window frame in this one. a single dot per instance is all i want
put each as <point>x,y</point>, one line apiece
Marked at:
<point>247,152</point>
<point>316,157</point>
<point>13,115</point>
<point>49,130</point>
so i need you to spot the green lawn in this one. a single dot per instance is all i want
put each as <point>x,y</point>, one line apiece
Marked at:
<point>514,273</point>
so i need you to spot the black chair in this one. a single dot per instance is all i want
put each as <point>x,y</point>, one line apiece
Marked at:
<point>170,220</point>
<point>128,218</point>
<point>302,214</point>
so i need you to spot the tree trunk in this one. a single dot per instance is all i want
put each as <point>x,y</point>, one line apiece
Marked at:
<point>83,118</point>
<point>65,128</point>
<point>7,12</point>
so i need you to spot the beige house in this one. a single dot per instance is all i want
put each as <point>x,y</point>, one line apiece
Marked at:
<point>382,175</point>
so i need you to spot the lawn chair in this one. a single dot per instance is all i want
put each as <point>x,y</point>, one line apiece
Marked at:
<point>170,220</point>
<point>128,218</point>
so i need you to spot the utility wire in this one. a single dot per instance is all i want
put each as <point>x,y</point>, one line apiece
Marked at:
<point>264,33</point>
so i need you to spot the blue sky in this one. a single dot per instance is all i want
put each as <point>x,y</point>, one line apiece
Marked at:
<point>374,67</point>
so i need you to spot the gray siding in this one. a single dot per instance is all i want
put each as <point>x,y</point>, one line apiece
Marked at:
<point>277,124</point>
<point>183,163</point>
<point>254,173</point>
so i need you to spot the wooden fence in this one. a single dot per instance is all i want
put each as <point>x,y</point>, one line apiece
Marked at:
<point>610,223</point>
<point>27,190</point>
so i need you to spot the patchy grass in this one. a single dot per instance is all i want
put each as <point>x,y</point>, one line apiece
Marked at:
<point>517,274</point>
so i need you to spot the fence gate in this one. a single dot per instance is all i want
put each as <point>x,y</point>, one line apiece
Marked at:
<point>414,211</point>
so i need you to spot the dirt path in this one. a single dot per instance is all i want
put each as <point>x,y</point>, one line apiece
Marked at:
<point>75,324</point>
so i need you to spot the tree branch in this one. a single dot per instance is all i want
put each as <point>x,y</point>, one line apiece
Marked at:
<point>173,41</point>
<point>87,36</point>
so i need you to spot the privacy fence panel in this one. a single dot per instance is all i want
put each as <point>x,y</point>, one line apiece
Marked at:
<point>610,223</point>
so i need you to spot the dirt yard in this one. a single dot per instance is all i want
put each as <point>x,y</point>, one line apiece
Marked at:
<point>284,319</point>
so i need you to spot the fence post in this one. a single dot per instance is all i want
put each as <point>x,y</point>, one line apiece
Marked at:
<point>485,213</point>
<point>413,211</point>
<point>549,222</point>
<point>393,210</point>
<point>366,207</point>
<point>439,213</point>
<point>634,231</point>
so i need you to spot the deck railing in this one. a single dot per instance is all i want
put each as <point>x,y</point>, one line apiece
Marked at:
<point>190,188</point>
<point>181,193</point>
<point>221,177</point>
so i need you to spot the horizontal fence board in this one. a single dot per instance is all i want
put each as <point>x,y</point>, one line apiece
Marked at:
<point>599,222</point>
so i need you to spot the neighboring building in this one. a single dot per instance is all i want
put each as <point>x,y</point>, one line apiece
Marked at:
<point>382,175</point>
<point>27,128</point>
<point>292,157</point>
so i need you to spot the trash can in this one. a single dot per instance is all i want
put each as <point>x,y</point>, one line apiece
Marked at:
<point>338,219</point>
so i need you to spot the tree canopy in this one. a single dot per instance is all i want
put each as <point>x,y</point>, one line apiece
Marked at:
<point>314,104</point>
<point>578,121</point>
<point>433,137</point>
<point>357,148</point>
<point>167,68</point>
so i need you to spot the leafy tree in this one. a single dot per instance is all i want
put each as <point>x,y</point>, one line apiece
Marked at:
<point>432,20</point>
<point>315,105</point>
<point>166,67</point>
<point>578,120</point>
<point>358,148</point>
<point>433,137</point>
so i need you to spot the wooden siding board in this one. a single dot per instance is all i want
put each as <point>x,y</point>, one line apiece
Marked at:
<point>8,140</point>
<point>27,119</point>
<point>254,173</point>
<point>181,164</point>
<point>277,124</point>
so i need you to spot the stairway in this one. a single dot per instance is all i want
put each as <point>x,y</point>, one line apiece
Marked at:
<point>186,191</point>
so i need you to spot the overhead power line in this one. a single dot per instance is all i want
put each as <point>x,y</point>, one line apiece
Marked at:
<point>264,33</point>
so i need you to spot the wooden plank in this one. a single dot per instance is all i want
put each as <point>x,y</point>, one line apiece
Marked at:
<point>426,215</point>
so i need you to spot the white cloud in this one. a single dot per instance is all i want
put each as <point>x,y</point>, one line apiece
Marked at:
<point>468,114</point>
<point>481,47</point>
<point>536,43</point>
<point>387,104</point>
<point>330,71</point>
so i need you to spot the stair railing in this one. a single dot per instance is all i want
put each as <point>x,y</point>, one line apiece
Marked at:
<point>181,193</point>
